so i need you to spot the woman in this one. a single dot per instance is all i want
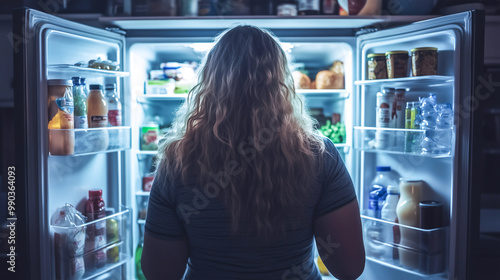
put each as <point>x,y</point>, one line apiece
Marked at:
<point>245,182</point>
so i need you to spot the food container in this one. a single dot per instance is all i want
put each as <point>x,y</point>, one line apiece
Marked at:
<point>60,115</point>
<point>149,137</point>
<point>424,61</point>
<point>377,66</point>
<point>397,64</point>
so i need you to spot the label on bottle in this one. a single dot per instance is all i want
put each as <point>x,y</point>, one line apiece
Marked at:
<point>115,117</point>
<point>98,121</point>
<point>81,122</point>
<point>383,115</point>
<point>309,5</point>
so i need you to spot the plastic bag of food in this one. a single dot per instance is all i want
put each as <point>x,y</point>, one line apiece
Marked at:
<point>69,241</point>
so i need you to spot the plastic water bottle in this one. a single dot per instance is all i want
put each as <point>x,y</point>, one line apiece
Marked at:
<point>391,234</point>
<point>378,190</point>
<point>443,136</point>
<point>429,114</point>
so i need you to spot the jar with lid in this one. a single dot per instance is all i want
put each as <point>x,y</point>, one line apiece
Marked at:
<point>377,66</point>
<point>424,61</point>
<point>397,64</point>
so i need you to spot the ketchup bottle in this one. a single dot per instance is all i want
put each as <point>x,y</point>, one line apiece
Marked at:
<point>96,232</point>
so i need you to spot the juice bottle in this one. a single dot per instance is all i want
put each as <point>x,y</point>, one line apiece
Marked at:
<point>114,105</point>
<point>97,107</point>
<point>96,232</point>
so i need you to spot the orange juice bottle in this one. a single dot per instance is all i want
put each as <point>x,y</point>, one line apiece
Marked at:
<point>97,107</point>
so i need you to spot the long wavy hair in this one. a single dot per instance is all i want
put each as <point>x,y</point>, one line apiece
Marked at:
<point>245,123</point>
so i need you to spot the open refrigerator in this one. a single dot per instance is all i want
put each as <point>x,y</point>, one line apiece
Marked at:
<point>47,47</point>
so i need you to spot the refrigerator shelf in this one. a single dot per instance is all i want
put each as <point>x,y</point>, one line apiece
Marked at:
<point>146,153</point>
<point>410,82</point>
<point>142,193</point>
<point>141,221</point>
<point>58,68</point>
<point>402,141</point>
<point>330,94</point>
<point>418,251</point>
<point>148,98</point>
<point>77,142</point>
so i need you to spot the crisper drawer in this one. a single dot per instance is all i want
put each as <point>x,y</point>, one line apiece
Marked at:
<point>92,249</point>
<point>415,250</point>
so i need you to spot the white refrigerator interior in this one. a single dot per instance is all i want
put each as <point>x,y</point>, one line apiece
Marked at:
<point>123,166</point>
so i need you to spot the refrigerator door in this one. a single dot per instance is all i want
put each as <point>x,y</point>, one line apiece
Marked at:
<point>46,47</point>
<point>449,177</point>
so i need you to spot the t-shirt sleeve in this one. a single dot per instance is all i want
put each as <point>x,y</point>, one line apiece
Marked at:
<point>161,218</point>
<point>337,187</point>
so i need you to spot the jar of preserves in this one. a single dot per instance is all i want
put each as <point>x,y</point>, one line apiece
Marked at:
<point>377,67</point>
<point>424,61</point>
<point>397,64</point>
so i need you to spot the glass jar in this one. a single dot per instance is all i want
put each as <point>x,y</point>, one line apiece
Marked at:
<point>424,61</point>
<point>397,64</point>
<point>377,67</point>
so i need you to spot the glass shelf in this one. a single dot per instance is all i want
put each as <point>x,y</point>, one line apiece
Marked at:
<point>329,94</point>
<point>146,153</point>
<point>58,68</point>
<point>74,249</point>
<point>421,252</point>
<point>142,193</point>
<point>76,142</point>
<point>401,141</point>
<point>141,221</point>
<point>410,82</point>
<point>148,98</point>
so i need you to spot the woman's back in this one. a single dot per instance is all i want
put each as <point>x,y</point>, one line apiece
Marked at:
<point>188,210</point>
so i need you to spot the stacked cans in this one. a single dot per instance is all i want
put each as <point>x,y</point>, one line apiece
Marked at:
<point>390,113</point>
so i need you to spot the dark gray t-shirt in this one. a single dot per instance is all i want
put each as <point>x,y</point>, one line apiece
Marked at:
<point>177,211</point>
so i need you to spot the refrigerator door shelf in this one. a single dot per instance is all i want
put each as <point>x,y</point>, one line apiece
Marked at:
<point>73,248</point>
<point>92,72</point>
<point>403,141</point>
<point>410,82</point>
<point>77,142</point>
<point>421,252</point>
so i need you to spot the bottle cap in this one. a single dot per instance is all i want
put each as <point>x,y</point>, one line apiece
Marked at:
<point>76,80</point>
<point>60,82</point>
<point>95,193</point>
<point>393,189</point>
<point>110,86</point>
<point>99,87</point>
<point>383,168</point>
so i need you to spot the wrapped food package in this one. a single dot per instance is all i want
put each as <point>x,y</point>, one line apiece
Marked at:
<point>328,79</point>
<point>301,80</point>
<point>69,241</point>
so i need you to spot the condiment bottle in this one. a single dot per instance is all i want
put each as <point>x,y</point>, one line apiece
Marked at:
<point>114,106</point>
<point>97,107</point>
<point>96,232</point>
<point>408,212</point>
